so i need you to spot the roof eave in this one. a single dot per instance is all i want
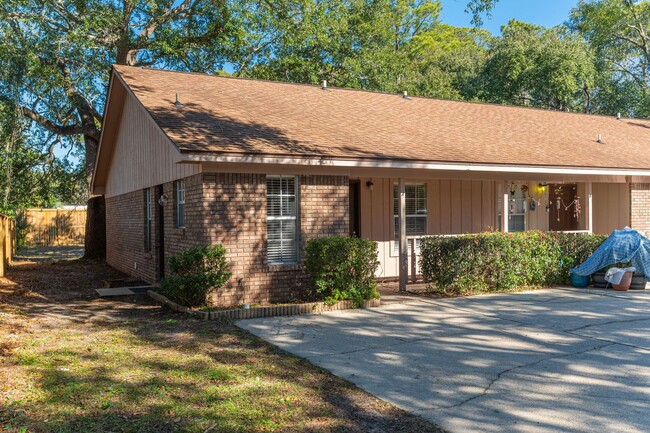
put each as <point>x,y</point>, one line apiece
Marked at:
<point>317,161</point>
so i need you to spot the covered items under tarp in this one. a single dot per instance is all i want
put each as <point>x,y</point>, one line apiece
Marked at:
<point>621,246</point>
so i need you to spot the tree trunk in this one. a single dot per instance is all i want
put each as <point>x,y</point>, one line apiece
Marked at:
<point>95,243</point>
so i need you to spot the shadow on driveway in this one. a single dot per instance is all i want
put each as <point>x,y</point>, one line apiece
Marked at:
<point>543,361</point>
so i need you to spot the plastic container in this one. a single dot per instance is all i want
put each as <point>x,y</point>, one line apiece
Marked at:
<point>625,283</point>
<point>579,281</point>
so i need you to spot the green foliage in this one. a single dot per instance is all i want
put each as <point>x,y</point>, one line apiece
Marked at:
<point>343,268</point>
<point>546,68</point>
<point>28,176</point>
<point>497,261</point>
<point>195,274</point>
<point>617,32</point>
<point>22,228</point>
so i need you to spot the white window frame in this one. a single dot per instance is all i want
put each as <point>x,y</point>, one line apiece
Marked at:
<point>293,256</point>
<point>148,209</point>
<point>395,250</point>
<point>523,201</point>
<point>180,204</point>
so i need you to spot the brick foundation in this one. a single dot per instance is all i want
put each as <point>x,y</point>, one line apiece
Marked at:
<point>229,209</point>
<point>640,207</point>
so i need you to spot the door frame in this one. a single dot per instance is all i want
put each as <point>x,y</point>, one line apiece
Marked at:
<point>355,208</point>
<point>160,233</point>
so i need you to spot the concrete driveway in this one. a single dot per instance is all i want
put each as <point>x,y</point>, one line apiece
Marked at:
<point>545,361</point>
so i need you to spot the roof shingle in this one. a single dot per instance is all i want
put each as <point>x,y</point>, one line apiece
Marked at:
<point>241,116</point>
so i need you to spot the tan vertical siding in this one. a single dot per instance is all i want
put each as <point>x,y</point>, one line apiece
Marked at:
<point>454,207</point>
<point>539,218</point>
<point>611,206</point>
<point>143,156</point>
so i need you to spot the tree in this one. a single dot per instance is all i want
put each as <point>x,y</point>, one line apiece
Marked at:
<point>355,43</point>
<point>546,68</point>
<point>57,57</point>
<point>32,177</point>
<point>478,8</point>
<point>447,61</point>
<point>617,32</point>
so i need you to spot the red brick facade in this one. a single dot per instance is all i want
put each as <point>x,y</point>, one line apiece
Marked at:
<point>640,207</point>
<point>229,209</point>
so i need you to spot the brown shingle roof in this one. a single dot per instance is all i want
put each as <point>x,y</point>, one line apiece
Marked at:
<point>229,115</point>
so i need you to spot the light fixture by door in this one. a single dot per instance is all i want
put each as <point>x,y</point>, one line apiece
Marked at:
<point>162,200</point>
<point>370,185</point>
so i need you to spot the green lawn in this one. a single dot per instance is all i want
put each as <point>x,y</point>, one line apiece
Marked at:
<point>133,367</point>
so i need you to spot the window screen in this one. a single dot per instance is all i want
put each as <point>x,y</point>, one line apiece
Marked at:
<point>282,227</point>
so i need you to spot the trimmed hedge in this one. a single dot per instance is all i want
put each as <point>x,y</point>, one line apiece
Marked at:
<point>195,274</point>
<point>496,261</point>
<point>343,268</point>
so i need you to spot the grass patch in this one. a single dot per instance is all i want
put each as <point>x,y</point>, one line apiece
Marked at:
<point>137,368</point>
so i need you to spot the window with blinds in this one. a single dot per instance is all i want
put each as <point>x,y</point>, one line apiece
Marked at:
<point>180,203</point>
<point>282,219</point>
<point>416,210</point>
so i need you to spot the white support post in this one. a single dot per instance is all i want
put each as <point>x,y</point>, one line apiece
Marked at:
<point>589,214</point>
<point>403,248</point>
<point>505,207</point>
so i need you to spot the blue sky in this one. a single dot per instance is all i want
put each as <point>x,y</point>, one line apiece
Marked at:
<point>547,13</point>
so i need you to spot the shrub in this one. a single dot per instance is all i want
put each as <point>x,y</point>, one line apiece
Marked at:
<point>195,274</point>
<point>22,228</point>
<point>576,248</point>
<point>343,268</point>
<point>495,261</point>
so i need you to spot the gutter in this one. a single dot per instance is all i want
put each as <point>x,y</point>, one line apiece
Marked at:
<point>408,165</point>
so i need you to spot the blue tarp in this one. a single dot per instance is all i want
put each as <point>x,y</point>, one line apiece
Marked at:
<point>621,246</point>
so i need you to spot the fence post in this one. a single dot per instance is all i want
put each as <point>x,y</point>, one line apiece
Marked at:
<point>3,240</point>
<point>9,241</point>
<point>14,238</point>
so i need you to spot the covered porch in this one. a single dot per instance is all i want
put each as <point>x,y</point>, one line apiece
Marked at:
<point>397,211</point>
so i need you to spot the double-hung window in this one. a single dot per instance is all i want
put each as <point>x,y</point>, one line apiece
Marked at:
<point>282,219</point>
<point>147,219</point>
<point>180,203</point>
<point>416,211</point>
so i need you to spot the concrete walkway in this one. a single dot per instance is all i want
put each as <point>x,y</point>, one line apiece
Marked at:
<point>546,361</point>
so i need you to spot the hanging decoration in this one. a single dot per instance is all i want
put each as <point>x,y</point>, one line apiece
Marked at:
<point>533,202</point>
<point>577,207</point>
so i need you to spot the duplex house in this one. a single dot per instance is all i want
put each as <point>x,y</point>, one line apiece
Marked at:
<point>261,167</point>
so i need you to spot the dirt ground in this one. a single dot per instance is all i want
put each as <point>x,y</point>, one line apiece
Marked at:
<point>72,362</point>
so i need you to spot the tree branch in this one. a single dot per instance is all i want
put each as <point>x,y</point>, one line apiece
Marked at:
<point>46,123</point>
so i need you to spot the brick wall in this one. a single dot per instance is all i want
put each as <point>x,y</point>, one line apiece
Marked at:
<point>194,233</point>
<point>125,247</point>
<point>640,207</point>
<point>236,218</point>
<point>229,209</point>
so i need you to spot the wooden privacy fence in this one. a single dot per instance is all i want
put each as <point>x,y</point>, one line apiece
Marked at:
<point>54,227</point>
<point>7,242</point>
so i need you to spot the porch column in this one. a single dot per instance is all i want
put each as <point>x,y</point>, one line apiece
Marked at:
<point>403,248</point>
<point>505,207</point>
<point>589,214</point>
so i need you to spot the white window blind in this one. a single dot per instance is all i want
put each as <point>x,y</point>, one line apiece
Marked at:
<point>282,221</point>
<point>180,203</point>
<point>416,210</point>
